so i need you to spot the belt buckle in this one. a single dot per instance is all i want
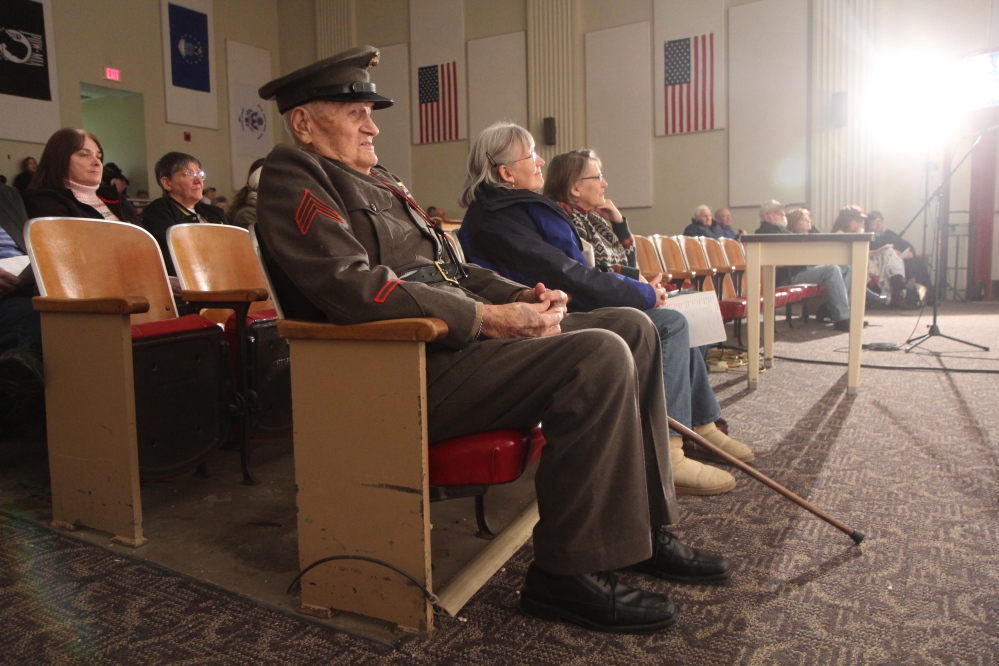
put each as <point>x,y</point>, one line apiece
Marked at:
<point>440,267</point>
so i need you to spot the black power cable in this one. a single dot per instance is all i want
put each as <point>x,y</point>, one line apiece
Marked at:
<point>431,597</point>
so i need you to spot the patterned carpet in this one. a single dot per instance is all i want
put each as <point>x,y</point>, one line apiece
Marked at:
<point>911,461</point>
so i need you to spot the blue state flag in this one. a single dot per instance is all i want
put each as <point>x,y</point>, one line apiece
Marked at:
<point>189,48</point>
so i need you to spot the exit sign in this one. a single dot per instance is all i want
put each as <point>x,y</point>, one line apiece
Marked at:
<point>112,74</point>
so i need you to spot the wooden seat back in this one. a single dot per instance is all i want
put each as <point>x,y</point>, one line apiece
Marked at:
<point>697,261</point>
<point>717,257</point>
<point>80,258</point>
<point>673,261</point>
<point>649,262</point>
<point>213,257</point>
<point>735,252</point>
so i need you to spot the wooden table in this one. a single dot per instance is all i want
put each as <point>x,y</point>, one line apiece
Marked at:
<point>764,252</point>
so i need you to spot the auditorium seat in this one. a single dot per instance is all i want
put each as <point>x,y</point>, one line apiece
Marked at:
<point>131,388</point>
<point>365,469</point>
<point>217,260</point>
<point>672,257</point>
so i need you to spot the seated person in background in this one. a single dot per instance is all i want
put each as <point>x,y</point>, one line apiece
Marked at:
<point>243,212</point>
<point>916,270</point>
<point>773,220</point>
<point>436,212</point>
<point>22,389</point>
<point>883,262</point>
<point>28,167</point>
<point>68,180</point>
<point>209,195</point>
<point>525,237</point>
<point>142,194</point>
<point>701,224</point>
<point>113,177</point>
<point>511,357</point>
<point>222,204</point>
<point>181,178</point>
<point>723,225</point>
<point>799,221</point>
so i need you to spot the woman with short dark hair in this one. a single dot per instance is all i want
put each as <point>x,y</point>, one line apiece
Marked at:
<point>67,182</point>
<point>182,181</point>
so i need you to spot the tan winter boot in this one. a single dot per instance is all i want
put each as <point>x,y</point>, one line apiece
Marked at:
<point>710,432</point>
<point>694,478</point>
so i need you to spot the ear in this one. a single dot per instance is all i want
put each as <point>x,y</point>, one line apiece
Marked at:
<point>165,184</point>
<point>574,192</point>
<point>505,174</point>
<point>301,125</point>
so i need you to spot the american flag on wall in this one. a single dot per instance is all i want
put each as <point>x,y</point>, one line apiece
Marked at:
<point>439,102</point>
<point>690,84</point>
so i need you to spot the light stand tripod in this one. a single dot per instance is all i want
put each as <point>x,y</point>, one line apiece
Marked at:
<point>941,258</point>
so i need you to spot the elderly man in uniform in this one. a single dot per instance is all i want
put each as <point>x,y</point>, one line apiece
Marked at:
<point>345,242</point>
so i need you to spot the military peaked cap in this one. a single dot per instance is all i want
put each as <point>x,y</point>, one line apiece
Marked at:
<point>340,78</point>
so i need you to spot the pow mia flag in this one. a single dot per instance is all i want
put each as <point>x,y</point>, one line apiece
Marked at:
<point>24,63</point>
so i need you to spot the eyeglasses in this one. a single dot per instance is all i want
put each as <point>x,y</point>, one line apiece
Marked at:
<point>200,175</point>
<point>598,177</point>
<point>494,163</point>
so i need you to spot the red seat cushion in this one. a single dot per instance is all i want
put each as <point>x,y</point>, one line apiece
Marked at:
<point>150,329</point>
<point>487,458</point>
<point>734,308</point>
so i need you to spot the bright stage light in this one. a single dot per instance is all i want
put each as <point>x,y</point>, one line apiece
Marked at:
<point>916,100</point>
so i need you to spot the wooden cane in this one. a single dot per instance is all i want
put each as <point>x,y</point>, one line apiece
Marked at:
<point>856,535</point>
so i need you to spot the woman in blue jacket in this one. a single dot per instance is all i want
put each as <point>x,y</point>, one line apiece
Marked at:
<point>529,238</point>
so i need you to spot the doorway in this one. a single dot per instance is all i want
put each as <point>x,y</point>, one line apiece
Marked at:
<point>117,118</point>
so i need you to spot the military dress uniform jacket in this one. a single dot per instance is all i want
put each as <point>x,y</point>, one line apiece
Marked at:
<point>336,242</point>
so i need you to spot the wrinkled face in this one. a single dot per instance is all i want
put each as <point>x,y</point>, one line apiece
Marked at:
<point>589,189</point>
<point>704,217</point>
<point>725,217</point>
<point>524,172</point>
<point>85,166</point>
<point>803,225</point>
<point>344,131</point>
<point>186,185</point>
<point>777,217</point>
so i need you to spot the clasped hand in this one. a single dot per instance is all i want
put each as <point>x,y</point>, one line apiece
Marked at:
<point>537,313</point>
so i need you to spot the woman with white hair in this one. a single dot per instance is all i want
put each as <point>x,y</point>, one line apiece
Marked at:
<point>701,224</point>
<point>529,238</point>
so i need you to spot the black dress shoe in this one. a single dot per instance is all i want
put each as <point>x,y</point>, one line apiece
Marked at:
<point>673,560</point>
<point>595,601</point>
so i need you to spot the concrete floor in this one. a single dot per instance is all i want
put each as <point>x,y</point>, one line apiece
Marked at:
<point>243,538</point>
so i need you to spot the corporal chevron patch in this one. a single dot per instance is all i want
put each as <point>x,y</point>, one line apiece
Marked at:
<point>309,207</point>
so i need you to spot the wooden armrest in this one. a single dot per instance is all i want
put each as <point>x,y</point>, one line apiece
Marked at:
<point>392,330</point>
<point>226,295</point>
<point>125,305</point>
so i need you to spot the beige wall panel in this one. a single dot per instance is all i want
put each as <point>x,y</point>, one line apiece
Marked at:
<point>621,133</point>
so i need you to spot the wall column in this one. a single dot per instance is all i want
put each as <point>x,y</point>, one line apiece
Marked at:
<point>841,158</point>
<point>551,57</point>
<point>336,27</point>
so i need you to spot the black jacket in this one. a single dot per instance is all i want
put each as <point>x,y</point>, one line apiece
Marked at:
<point>163,213</point>
<point>696,228</point>
<point>62,203</point>
<point>503,232</point>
